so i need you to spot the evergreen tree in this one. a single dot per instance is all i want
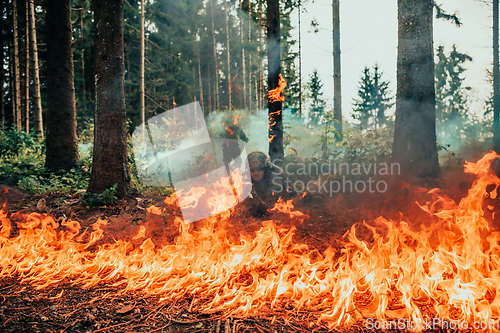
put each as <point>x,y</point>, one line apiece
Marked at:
<point>451,100</point>
<point>314,95</point>
<point>374,99</point>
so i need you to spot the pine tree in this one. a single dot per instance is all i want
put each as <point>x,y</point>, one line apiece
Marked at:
<point>451,100</point>
<point>374,99</point>
<point>314,95</point>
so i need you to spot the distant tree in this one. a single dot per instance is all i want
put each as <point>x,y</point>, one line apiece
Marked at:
<point>374,99</point>
<point>314,95</point>
<point>415,145</point>
<point>61,140</point>
<point>451,100</point>
<point>110,158</point>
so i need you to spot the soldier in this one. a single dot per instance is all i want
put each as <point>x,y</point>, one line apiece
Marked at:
<point>231,148</point>
<point>261,171</point>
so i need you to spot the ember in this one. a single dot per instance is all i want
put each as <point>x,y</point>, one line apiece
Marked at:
<point>451,268</point>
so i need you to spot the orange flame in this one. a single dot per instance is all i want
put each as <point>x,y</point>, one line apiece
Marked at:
<point>274,95</point>
<point>451,268</point>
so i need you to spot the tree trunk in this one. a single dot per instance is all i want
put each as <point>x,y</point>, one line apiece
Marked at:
<point>249,60</point>
<point>274,71</point>
<point>27,104</point>
<point>229,90</point>
<point>216,74</point>
<point>260,83</point>
<point>496,81</point>
<point>2,72</point>
<point>199,78</point>
<point>243,59</point>
<point>84,97</point>
<point>300,66</point>
<point>141,74</point>
<point>110,159</point>
<point>337,93</point>
<point>16,105</point>
<point>209,91</point>
<point>37,100</point>
<point>61,143</point>
<point>415,127</point>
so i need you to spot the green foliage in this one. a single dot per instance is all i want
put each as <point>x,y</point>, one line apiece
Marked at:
<point>314,94</point>
<point>13,143</point>
<point>76,180</point>
<point>451,96</point>
<point>22,160</point>
<point>374,99</point>
<point>107,197</point>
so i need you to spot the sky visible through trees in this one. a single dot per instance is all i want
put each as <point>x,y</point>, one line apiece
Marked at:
<point>369,35</point>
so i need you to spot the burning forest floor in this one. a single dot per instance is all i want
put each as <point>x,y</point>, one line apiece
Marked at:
<point>317,228</point>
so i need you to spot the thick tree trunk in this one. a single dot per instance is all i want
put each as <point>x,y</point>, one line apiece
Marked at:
<point>229,92</point>
<point>415,128</point>
<point>37,100</point>
<point>61,142</point>
<point>496,81</point>
<point>16,105</point>
<point>141,74</point>
<point>27,78</point>
<point>110,159</point>
<point>337,92</point>
<point>274,71</point>
<point>216,74</point>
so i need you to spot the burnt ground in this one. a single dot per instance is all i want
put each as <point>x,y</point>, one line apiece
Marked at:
<point>107,309</point>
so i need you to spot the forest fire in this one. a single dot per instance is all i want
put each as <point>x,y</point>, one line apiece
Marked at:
<point>447,270</point>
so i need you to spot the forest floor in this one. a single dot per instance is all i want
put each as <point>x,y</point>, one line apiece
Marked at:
<point>104,309</point>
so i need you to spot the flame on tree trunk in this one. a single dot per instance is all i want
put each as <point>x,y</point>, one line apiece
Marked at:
<point>274,71</point>
<point>110,160</point>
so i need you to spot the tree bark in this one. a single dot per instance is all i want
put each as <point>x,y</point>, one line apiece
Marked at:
<point>337,92</point>
<point>2,72</point>
<point>229,92</point>
<point>243,59</point>
<point>16,105</point>
<point>61,142</point>
<point>141,74</point>
<point>274,70</point>
<point>199,78</point>
<point>415,127</point>
<point>110,159</point>
<point>216,74</point>
<point>496,81</point>
<point>37,100</point>
<point>300,65</point>
<point>27,78</point>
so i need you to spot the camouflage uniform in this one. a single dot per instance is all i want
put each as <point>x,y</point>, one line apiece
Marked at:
<point>261,170</point>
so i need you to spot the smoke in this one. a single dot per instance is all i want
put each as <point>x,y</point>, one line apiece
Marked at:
<point>299,138</point>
